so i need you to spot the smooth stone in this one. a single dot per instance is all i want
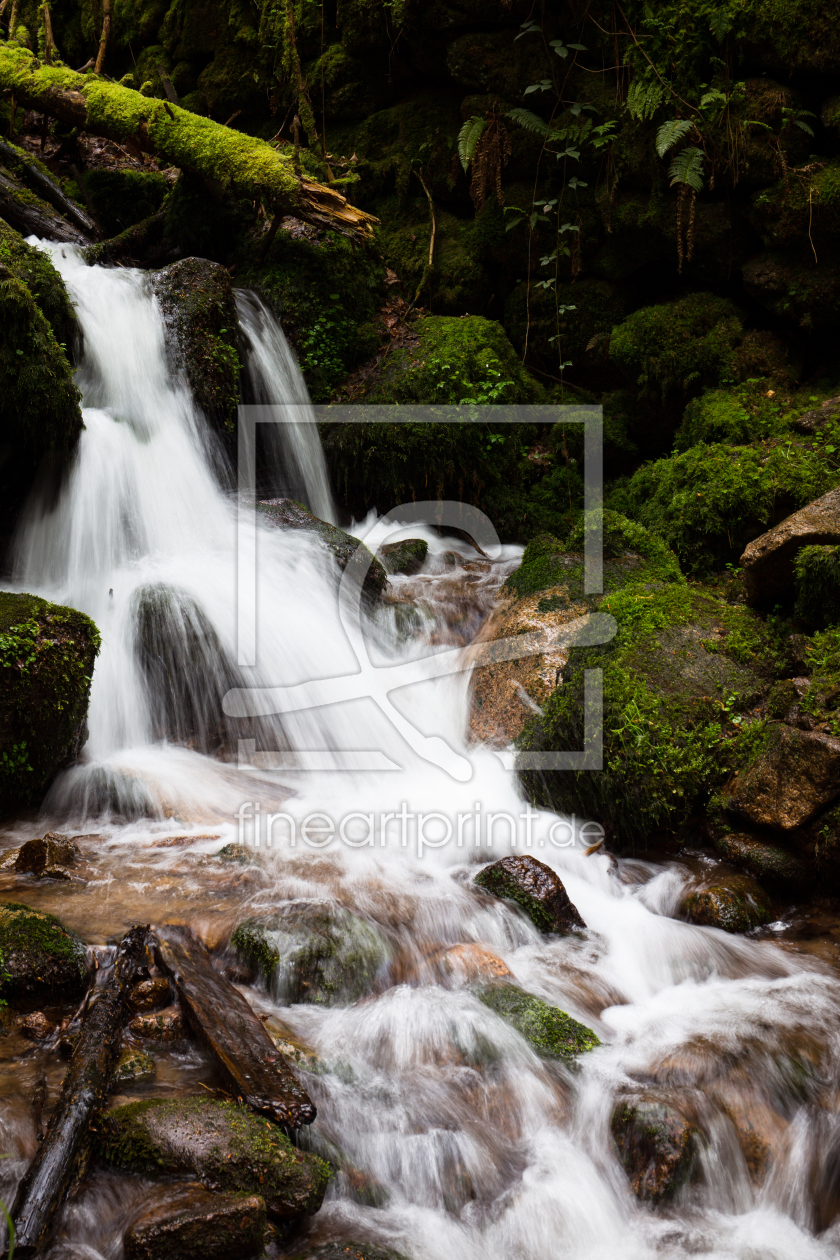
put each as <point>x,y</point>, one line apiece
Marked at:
<point>194,1224</point>
<point>536,888</point>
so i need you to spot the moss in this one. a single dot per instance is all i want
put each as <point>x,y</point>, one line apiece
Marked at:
<point>738,905</point>
<point>405,557</point>
<point>133,1065</point>
<point>41,960</point>
<point>800,209</point>
<point>35,269</point>
<point>678,347</point>
<point>311,953</point>
<point>766,861</point>
<point>122,198</point>
<point>737,416</point>
<point>817,571</point>
<point>287,514</point>
<point>223,1143</point>
<point>46,662</point>
<point>547,1029</point>
<point>593,308</point>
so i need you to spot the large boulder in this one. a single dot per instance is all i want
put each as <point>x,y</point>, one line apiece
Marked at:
<point>199,311</point>
<point>194,1224</point>
<point>794,288</point>
<point>656,1145</point>
<point>768,562</point>
<point>766,861</point>
<point>547,1029</point>
<point>223,1144</point>
<point>46,662</point>
<point>535,888</point>
<point>287,514</point>
<point>734,903</point>
<point>793,775</point>
<point>42,960</point>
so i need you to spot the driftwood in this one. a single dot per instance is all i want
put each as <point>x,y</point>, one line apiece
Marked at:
<point>255,1069</point>
<point>40,182</point>
<point>64,1151</point>
<point>226,160</point>
<point>32,216</point>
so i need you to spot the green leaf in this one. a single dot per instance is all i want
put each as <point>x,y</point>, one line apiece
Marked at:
<point>687,168</point>
<point>644,98</point>
<point>670,133</point>
<point>532,122</point>
<point>543,86</point>
<point>528,28</point>
<point>578,47</point>
<point>468,138</point>
<point>559,47</point>
<point>804,126</point>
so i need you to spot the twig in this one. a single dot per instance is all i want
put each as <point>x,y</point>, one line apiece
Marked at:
<point>103,39</point>
<point>427,271</point>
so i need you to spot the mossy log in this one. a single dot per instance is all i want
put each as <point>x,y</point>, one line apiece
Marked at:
<point>32,216</point>
<point>63,1154</point>
<point>257,1072</point>
<point>38,178</point>
<point>226,160</point>
<point>131,243</point>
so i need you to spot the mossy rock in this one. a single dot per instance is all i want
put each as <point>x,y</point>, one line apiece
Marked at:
<point>547,1029</point>
<point>593,307</point>
<point>800,211</point>
<point>765,860</point>
<point>817,572</point>
<point>678,347</point>
<point>314,952</point>
<point>657,1146</point>
<point>287,514</point>
<point>237,854</point>
<point>122,198</point>
<point>535,888</point>
<point>34,268</point>
<point>734,416</point>
<point>734,904</point>
<point>41,960</point>
<point>348,1251</point>
<point>407,556</point>
<point>132,1066</point>
<point>199,311</point>
<point>46,663</point>
<point>794,288</point>
<point>222,1143</point>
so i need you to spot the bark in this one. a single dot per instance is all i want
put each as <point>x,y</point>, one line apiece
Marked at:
<point>227,160</point>
<point>103,39</point>
<point>39,181</point>
<point>65,1148</point>
<point>257,1072</point>
<point>32,216</point>
<point>132,243</point>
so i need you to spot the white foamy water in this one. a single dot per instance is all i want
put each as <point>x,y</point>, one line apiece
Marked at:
<point>476,1146</point>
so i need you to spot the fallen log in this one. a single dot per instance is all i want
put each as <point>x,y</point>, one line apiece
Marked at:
<point>257,1072</point>
<point>132,243</point>
<point>226,160</point>
<point>36,178</point>
<point>63,1154</point>
<point>32,216</point>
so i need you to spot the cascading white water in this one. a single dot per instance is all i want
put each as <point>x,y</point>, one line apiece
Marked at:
<point>479,1147</point>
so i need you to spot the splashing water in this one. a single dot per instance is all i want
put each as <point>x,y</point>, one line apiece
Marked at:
<point>473,1143</point>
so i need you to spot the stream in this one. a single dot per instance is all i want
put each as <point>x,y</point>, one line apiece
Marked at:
<point>477,1146</point>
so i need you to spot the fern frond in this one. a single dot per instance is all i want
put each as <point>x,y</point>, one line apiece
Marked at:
<point>644,98</point>
<point>533,122</point>
<point>687,168</point>
<point>670,133</point>
<point>468,138</point>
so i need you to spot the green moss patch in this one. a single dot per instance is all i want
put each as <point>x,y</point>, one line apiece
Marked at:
<point>547,1029</point>
<point>40,961</point>
<point>817,572</point>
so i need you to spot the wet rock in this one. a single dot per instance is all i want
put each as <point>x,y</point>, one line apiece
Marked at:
<point>768,560</point>
<point>162,1026</point>
<point>197,303</point>
<point>314,952</point>
<point>404,557</point>
<point>768,862</point>
<point>535,888</point>
<point>194,1224</point>
<point>793,287</point>
<point>43,709</point>
<point>814,421</point>
<point>795,774</point>
<point>734,904</point>
<point>656,1145</point>
<point>348,1251</point>
<point>48,857</point>
<point>151,994</point>
<point>287,514</point>
<point>42,960</point>
<point>290,1044</point>
<point>222,1143</point>
<point>471,962</point>
<point>547,1029</point>
<point>36,1027</point>
<point>133,1065</point>
<point>238,854</point>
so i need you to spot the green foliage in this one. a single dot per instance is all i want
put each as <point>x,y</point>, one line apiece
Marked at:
<point>122,198</point>
<point>678,347</point>
<point>547,1029</point>
<point>817,571</point>
<point>468,138</point>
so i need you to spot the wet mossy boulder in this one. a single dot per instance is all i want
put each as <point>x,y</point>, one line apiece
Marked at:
<point>287,514</point>
<point>199,311</point>
<point>536,889</point>
<point>34,268</point>
<point>678,347</point>
<point>407,556</point>
<point>734,903</point>
<point>41,960</point>
<point>791,776</point>
<point>769,862</point>
<point>314,952</point>
<point>132,1066</point>
<point>223,1144</point>
<point>547,1029</point>
<point>656,1145</point>
<point>817,576</point>
<point>194,1224</point>
<point>348,1251</point>
<point>47,655</point>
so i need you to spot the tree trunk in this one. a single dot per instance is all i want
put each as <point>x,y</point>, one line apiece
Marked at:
<point>63,1153</point>
<point>133,243</point>
<point>103,39</point>
<point>33,217</point>
<point>39,181</point>
<point>226,160</point>
<point>255,1069</point>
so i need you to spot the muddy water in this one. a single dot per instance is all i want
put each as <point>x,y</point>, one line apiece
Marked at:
<point>454,1137</point>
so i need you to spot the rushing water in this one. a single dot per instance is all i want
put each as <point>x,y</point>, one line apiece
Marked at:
<point>479,1148</point>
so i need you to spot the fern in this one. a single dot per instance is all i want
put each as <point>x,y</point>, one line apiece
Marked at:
<point>533,122</point>
<point>468,138</point>
<point>670,133</point>
<point>644,98</point>
<point>687,168</point>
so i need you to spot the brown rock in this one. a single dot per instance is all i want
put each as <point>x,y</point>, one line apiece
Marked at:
<point>194,1224</point>
<point>733,903</point>
<point>768,560</point>
<point>163,1026</point>
<point>47,857</point>
<point>768,862</point>
<point>471,962</point>
<point>536,888</point>
<point>795,776</point>
<point>656,1145</point>
<point>36,1026</point>
<point>151,995</point>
